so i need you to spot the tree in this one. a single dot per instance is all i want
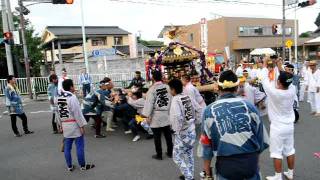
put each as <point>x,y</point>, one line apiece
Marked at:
<point>34,51</point>
<point>150,43</point>
<point>305,35</point>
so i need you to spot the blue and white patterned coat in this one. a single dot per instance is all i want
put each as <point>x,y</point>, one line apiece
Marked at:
<point>232,126</point>
<point>52,95</point>
<point>95,103</point>
<point>13,100</point>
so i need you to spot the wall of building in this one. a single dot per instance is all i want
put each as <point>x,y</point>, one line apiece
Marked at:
<point>224,32</point>
<point>185,35</point>
<point>237,42</point>
<point>109,42</point>
<point>217,33</point>
<point>97,66</point>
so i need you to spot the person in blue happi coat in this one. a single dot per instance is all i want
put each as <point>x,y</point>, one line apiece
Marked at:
<point>234,133</point>
<point>15,108</point>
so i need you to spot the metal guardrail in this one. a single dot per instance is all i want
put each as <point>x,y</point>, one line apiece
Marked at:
<point>39,85</point>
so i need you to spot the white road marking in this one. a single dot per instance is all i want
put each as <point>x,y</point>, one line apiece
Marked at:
<point>37,112</point>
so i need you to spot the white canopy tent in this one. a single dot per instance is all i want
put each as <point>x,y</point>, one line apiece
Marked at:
<point>262,51</point>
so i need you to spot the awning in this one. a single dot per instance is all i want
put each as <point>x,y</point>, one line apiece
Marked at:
<point>313,41</point>
<point>262,51</point>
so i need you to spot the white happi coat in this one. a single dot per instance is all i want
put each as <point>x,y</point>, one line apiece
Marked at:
<point>157,105</point>
<point>313,80</point>
<point>196,97</point>
<point>313,83</point>
<point>184,112</point>
<point>252,94</point>
<point>70,115</point>
<point>194,94</point>
<point>239,71</point>
<point>265,73</point>
<point>60,81</point>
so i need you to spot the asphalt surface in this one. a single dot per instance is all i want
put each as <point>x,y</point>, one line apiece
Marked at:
<point>38,156</point>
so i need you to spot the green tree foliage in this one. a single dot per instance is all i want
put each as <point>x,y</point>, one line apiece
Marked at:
<point>150,43</point>
<point>34,50</point>
<point>305,35</point>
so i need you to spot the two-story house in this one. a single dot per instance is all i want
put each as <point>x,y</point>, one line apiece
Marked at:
<point>64,43</point>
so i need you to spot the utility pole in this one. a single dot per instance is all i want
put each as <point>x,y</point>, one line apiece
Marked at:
<point>284,29</point>
<point>6,29</point>
<point>295,35</point>
<point>84,41</point>
<point>10,17</point>
<point>25,49</point>
<point>12,29</point>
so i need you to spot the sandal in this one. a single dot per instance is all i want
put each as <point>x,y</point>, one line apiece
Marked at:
<point>87,167</point>
<point>317,155</point>
<point>70,169</point>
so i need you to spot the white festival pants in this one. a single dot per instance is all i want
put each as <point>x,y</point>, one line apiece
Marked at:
<point>107,117</point>
<point>315,102</point>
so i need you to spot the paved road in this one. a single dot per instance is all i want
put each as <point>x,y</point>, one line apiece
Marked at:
<point>37,156</point>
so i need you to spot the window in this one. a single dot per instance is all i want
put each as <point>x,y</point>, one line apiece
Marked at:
<point>98,42</point>
<point>260,31</point>
<point>241,30</point>
<point>288,31</point>
<point>118,40</point>
<point>191,37</point>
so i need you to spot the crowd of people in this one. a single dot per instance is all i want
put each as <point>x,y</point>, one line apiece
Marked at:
<point>230,129</point>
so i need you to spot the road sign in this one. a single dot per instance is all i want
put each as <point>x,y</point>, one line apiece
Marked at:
<point>104,52</point>
<point>289,43</point>
<point>204,35</point>
<point>291,2</point>
<point>16,37</point>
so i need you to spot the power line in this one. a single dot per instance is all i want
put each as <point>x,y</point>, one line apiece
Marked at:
<point>244,2</point>
<point>149,2</point>
<point>172,3</point>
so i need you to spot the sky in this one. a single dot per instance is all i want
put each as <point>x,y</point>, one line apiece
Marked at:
<point>149,19</point>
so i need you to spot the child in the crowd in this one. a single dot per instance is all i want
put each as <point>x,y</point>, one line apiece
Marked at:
<point>72,125</point>
<point>182,116</point>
